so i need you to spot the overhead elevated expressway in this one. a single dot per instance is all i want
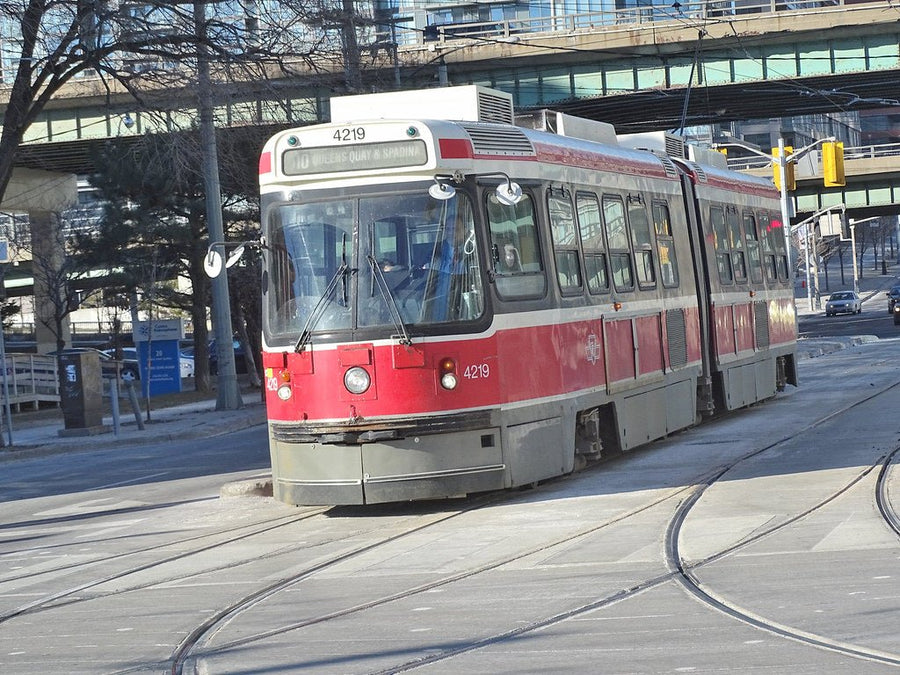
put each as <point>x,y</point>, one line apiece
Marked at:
<point>642,69</point>
<point>872,176</point>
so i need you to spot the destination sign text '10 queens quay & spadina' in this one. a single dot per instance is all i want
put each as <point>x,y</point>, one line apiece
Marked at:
<point>328,159</point>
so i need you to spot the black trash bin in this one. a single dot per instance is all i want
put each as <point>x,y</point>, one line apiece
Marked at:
<point>81,393</point>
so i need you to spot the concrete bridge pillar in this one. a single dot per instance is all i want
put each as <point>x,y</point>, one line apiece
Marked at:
<point>51,320</point>
<point>43,195</point>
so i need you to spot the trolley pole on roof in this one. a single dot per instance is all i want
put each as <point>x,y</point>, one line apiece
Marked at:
<point>228,394</point>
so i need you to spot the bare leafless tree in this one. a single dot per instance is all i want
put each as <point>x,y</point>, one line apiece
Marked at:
<point>147,51</point>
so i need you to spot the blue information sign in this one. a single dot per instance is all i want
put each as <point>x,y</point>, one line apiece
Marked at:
<point>158,358</point>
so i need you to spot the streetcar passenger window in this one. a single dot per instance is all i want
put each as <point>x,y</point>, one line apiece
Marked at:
<point>720,236</point>
<point>665,244</point>
<point>643,243</point>
<point>617,238</point>
<point>591,227</point>
<point>778,234</point>
<point>518,272</point>
<point>565,242</point>
<point>736,241</point>
<point>768,258</point>
<point>753,247</point>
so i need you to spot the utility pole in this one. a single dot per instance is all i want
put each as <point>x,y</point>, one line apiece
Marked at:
<point>350,46</point>
<point>228,393</point>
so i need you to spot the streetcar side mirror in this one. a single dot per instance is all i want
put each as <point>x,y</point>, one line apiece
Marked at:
<point>214,263</point>
<point>509,193</point>
<point>442,191</point>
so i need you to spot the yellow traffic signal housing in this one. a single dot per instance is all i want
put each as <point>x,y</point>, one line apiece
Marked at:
<point>833,164</point>
<point>790,179</point>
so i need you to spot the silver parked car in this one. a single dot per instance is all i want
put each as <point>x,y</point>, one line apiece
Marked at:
<point>847,302</point>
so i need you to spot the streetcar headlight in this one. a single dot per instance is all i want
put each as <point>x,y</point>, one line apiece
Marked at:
<point>284,392</point>
<point>447,368</point>
<point>357,380</point>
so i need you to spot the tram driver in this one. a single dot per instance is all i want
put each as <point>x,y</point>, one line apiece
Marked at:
<point>510,262</point>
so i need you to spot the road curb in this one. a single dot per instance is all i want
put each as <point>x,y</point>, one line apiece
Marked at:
<point>814,347</point>
<point>252,487</point>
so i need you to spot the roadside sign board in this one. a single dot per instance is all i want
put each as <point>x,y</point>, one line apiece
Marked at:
<point>158,357</point>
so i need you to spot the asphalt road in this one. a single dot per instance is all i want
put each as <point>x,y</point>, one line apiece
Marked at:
<point>874,320</point>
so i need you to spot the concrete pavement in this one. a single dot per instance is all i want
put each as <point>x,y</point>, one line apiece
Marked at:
<point>872,288</point>
<point>39,435</point>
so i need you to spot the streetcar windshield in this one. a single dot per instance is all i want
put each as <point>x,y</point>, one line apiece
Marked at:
<point>391,261</point>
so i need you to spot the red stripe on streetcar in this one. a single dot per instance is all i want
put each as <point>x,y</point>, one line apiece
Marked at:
<point>265,163</point>
<point>455,148</point>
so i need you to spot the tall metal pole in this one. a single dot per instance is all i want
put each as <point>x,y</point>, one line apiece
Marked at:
<point>785,204</point>
<point>228,395</point>
<point>808,284</point>
<point>6,366</point>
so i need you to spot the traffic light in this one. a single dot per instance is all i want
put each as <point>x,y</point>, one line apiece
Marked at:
<point>833,164</point>
<point>790,179</point>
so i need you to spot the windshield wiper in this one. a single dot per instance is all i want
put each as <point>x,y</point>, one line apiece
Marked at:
<point>316,314</point>
<point>341,274</point>
<point>388,297</point>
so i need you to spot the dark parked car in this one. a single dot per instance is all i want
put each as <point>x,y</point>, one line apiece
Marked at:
<point>893,296</point>
<point>129,368</point>
<point>240,363</point>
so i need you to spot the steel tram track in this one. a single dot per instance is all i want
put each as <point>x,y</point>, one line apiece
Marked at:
<point>882,492</point>
<point>266,523</point>
<point>214,623</point>
<point>690,494</point>
<point>688,580</point>
<point>53,601</point>
<point>684,574</point>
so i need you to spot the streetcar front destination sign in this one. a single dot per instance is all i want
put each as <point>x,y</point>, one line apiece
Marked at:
<point>330,159</point>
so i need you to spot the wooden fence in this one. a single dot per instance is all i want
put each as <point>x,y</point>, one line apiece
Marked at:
<point>30,380</point>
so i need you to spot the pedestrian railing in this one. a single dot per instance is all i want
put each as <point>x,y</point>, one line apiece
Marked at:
<point>644,15</point>
<point>32,379</point>
<point>860,152</point>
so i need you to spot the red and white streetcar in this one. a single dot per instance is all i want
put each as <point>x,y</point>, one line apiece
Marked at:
<point>456,301</point>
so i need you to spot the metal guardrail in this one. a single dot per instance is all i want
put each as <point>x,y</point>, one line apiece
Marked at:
<point>860,152</point>
<point>586,21</point>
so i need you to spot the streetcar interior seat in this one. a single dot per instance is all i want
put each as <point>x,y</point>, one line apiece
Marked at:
<point>421,257</point>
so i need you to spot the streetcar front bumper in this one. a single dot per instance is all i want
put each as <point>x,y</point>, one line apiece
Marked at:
<point>429,458</point>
